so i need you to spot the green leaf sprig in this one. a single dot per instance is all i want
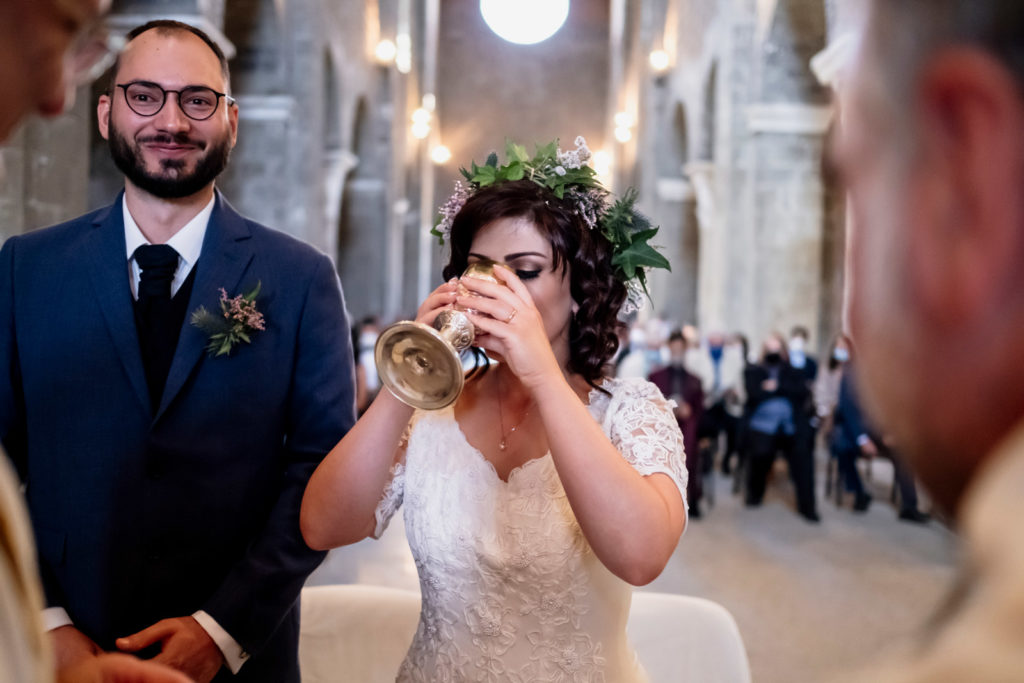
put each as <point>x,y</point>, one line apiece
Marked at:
<point>569,177</point>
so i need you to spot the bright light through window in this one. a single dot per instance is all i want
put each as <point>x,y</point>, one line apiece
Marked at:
<point>525,21</point>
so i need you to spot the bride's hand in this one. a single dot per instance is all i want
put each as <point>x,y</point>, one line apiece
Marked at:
<point>441,298</point>
<point>513,326</point>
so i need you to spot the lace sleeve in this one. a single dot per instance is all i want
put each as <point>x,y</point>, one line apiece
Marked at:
<point>641,425</point>
<point>394,490</point>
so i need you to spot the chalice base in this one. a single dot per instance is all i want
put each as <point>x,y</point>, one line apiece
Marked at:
<point>419,366</point>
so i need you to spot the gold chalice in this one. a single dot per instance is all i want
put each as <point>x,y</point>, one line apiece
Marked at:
<point>422,365</point>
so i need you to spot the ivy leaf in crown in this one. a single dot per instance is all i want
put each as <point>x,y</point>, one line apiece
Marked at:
<point>569,177</point>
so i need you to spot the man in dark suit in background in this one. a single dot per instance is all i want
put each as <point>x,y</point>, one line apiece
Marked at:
<point>165,463</point>
<point>685,389</point>
<point>853,437</point>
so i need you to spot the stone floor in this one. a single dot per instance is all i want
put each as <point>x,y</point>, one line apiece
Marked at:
<point>810,600</point>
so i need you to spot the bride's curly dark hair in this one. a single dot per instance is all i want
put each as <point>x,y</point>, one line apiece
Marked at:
<point>593,330</point>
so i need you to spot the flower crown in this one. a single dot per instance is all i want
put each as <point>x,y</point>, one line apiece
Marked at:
<point>569,177</point>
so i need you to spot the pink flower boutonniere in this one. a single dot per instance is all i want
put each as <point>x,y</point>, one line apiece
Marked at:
<point>238,320</point>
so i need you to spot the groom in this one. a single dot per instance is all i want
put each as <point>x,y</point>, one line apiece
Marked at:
<point>164,480</point>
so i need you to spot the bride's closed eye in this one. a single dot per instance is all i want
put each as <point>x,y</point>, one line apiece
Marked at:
<point>527,274</point>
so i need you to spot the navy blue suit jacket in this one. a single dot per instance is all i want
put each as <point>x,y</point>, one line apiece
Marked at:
<point>141,515</point>
<point>849,420</point>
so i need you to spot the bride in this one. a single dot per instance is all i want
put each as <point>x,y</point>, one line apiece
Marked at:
<point>535,500</point>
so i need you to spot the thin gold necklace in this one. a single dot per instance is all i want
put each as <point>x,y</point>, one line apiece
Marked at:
<point>503,444</point>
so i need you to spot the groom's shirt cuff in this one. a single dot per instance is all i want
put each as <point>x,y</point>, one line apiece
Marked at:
<point>55,617</point>
<point>234,655</point>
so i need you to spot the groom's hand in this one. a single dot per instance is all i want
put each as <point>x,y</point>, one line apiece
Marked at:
<point>184,645</point>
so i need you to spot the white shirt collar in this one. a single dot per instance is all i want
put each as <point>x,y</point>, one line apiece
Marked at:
<point>188,242</point>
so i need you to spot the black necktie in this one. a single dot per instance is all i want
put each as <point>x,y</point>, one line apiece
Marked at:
<point>156,323</point>
<point>158,263</point>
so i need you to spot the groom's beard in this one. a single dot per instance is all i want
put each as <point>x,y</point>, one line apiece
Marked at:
<point>171,182</point>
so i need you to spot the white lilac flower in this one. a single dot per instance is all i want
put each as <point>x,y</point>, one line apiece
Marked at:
<point>575,158</point>
<point>559,170</point>
<point>451,208</point>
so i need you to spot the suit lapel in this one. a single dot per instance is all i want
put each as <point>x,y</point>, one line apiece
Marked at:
<point>108,272</point>
<point>227,251</point>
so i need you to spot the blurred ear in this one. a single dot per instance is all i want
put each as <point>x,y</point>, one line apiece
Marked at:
<point>233,123</point>
<point>967,185</point>
<point>103,116</point>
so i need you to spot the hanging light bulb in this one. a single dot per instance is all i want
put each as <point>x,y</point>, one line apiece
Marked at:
<point>441,155</point>
<point>386,51</point>
<point>660,61</point>
<point>421,115</point>
<point>525,22</point>
<point>403,53</point>
<point>420,130</point>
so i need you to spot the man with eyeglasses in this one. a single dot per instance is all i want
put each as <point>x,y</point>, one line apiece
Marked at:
<point>166,446</point>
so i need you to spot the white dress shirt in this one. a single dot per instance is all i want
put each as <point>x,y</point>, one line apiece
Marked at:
<point>188,242</point>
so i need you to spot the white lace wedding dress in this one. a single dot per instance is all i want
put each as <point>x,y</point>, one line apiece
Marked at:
<point>511,590</point>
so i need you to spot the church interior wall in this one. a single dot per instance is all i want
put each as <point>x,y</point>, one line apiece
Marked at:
<point>325,151</point>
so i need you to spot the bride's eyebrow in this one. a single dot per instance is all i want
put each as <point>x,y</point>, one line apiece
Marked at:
<point>511,257</point>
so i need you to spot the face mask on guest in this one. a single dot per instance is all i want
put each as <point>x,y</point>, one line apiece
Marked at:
<point>773,358</point>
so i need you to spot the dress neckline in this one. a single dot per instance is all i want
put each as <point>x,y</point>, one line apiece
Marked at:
<point>515,471</point>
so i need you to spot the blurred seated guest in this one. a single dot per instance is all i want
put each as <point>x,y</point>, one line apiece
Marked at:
<point>799,356</point>
<point>826,387</point>
<point>851,438</point>
<point>775,390</point>
<point>632,361</point>
<point>806,418</point>
<point>719,363</point>
<point>684,388</point>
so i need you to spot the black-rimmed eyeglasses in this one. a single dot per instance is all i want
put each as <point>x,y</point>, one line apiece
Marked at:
<point>196,101</point>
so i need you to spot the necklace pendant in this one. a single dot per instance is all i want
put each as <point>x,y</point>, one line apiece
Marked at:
<point>502,445</point>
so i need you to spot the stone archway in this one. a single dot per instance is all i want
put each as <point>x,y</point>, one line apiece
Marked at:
<point>337,161</point>
<point>361,234</point>
<point>701,172</point>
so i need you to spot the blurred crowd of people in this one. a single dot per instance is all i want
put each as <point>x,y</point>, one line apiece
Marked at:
<point>741,410</point>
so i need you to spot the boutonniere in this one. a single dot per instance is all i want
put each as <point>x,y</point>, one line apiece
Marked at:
<point>238,320</point>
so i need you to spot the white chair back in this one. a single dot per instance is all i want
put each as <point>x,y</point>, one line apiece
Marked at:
<point>360,634</point>
<point>355,633</point>
<point>680,638</point>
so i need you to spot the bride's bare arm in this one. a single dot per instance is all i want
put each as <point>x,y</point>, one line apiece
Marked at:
<point>632,522</point>
<point>342,495</point>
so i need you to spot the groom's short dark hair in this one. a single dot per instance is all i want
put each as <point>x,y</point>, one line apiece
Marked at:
<point>172,26</point>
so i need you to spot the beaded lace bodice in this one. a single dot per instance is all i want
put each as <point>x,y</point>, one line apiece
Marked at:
<point>511,590</point>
